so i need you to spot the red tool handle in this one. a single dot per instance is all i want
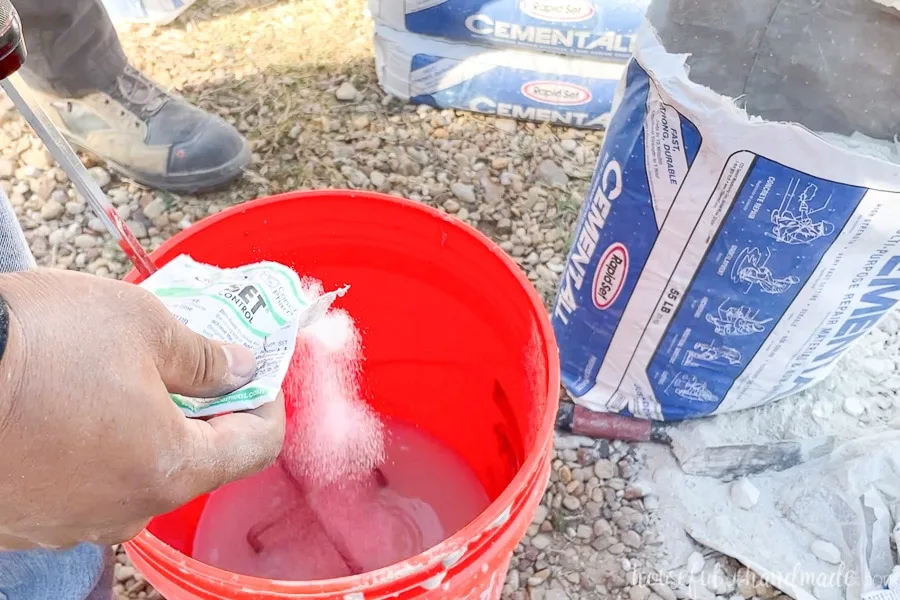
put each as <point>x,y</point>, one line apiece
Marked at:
<point>608,426</point>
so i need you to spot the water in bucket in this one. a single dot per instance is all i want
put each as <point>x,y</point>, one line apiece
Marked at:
<point>457,342</point>
<point>265,526</point>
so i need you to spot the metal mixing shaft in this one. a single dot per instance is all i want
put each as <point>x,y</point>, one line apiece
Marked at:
<point>12,57</point>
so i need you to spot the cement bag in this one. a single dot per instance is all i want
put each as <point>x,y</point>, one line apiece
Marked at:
<point>156,12</point>
<point>720,261</point>
<point>505,83</point>
<point>597,28</point>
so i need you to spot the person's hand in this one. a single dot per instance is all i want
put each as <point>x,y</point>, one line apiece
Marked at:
<point>91,444</point>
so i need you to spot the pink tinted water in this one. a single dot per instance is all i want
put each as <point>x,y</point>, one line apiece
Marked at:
<point>338,530</point>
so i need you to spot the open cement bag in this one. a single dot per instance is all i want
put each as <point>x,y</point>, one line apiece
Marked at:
<point>595,28</point>
<point>722,261</point>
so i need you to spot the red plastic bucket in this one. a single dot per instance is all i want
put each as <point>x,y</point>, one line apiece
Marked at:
<point>456,341</point>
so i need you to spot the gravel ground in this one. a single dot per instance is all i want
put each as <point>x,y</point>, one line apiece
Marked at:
<point>297,79</point>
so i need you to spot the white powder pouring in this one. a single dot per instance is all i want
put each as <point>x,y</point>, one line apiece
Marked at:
<point>333,436</point>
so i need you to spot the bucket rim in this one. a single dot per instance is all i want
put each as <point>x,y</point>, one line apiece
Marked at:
<point>494,516</point>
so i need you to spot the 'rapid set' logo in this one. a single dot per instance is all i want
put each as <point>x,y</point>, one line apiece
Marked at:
<point>566,11</point>
<point>557,92</point>
<point>609,279</point>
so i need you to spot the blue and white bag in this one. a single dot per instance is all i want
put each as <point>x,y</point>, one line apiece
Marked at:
<point>508,83</point>
<point>720,261</point>
<point>592,28</point>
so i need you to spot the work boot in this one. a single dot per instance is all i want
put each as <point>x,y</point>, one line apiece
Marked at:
<point>151,137</point>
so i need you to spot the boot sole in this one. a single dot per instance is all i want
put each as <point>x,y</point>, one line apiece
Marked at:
<point>193,183</point>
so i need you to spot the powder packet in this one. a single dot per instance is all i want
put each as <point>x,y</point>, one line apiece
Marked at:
<point>260,306</point>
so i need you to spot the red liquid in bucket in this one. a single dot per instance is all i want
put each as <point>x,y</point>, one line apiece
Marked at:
<point>430,493</point>
<point>456,341</point>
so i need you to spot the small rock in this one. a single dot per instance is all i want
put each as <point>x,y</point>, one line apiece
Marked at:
<point>295,131</point>
<point>61,197</point>
<point>602,528</point>
<point>513,579</point>
<point>377,178</point>
<point>85,240</point>
<point>124,573</point>
<point>39,159</point>
<point>569,145</point>
<point>552,174</point>
<point>746,586</point>
<point>539,577</point>
<point>330,125</point>
<point>155,209</point>
<point>451,205</point>
<point>616,548</point>
<point>7,168</point>
<point>52,210</point>
<point>499,163</point>
<point>604,469</point>
<point>540,515</point>
<point>57,237</point>
<point>585,532</point>
<point>601,544</point>
<point>571,503</point>
<point>100,175</point>
<point>75,208</point>
<point>631,538</point>
<point>854,407</point>
<point>695,563</point>
<point>876,368</point>
<point>565,474</point>
<point>506,125</point>
<point>361,122</point>
<point>744,494</point>
<point>765,591</point>
<point>826,551</point>
<point>464,193</point>
<point>493,192</point>
<point>137,228</point>
<point>541,541</point>
<point>720,583</point>
<point>639,592</point>
<point>616,483</point>
<point>346,92</point>
<point>557,594</point>
<point>663,591</point>
<point>569,442</point>
<point>638,489</point>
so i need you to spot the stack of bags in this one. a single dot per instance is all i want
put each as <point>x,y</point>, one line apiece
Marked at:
<point>557,61</point>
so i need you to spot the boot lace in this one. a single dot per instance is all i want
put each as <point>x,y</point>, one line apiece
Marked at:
<point>137,93</point>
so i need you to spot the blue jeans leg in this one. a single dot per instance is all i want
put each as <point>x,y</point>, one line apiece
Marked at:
<point>82,573</point>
